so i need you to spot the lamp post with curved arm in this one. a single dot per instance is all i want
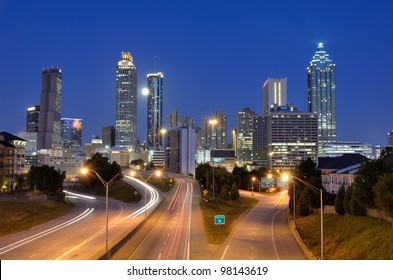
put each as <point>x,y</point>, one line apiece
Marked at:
<point>316,190</point>
<point>106,185</point>
<point>158,173</point>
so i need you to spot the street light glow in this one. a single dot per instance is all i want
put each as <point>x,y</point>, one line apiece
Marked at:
<point>145,91</point>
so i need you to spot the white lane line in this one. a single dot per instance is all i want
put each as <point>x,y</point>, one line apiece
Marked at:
<point>45,232</point>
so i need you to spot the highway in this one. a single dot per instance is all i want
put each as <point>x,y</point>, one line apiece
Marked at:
<point>80,234</point>
<point>175,231</point>
<point>262,233</point>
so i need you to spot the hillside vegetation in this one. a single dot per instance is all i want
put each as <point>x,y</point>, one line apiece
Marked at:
<point>348,237</point>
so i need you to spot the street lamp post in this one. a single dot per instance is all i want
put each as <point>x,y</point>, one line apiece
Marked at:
<point>106,185</point>
<point>318,191</point>
<point>133,174</point>
<point>252,186</point>
<point>213,122</point>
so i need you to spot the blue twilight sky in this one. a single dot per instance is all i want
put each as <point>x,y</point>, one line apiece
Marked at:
<point>214,55</point>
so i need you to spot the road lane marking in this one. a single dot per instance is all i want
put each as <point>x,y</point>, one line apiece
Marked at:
<point>29,239</point>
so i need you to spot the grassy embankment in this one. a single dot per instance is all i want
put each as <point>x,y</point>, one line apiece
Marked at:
<point>348,237</point>
<point>22,215</point>
<point>232,209</point>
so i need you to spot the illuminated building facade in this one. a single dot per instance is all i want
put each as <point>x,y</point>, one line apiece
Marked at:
<point>390,138</point>
<point>322,95</point>
<point>244,135</point>
<point>292,136</point>
<point>260,152</point>
<point>49,135</point>
<point>274,92</point>
<point>126,103</point>
<point>32,118</point>
<point>71,133</point>
<point>154,110</point>
<point>214,136</point>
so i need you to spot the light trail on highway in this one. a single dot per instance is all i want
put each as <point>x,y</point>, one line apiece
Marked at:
<point>34,237</point>
<point>154,198</point>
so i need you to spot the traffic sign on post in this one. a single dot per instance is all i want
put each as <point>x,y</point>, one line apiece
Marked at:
<point>219,219</point>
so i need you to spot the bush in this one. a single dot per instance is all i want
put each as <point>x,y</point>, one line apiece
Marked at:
<point>339,202</point>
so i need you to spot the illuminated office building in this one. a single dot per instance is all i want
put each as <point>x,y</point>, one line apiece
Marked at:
<point>32,118</point>
<point>49,134</point>
<point>244,135</point>
<point>292,136</point>
<point>154,110</point>
<point>71,133</point>
<point>213,136</point>
<point>126,103</point>
<point>322,95</point>
<point>274,92</point>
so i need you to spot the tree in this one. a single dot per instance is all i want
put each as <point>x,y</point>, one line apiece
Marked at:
<point>223,192</point>
<point>365,179</point>
<point>347,199</point>
<point>386,151</point>
<point>241,177</point>
<point>234,192</point>
<point>3,183</point>
<point>339,202</point>
<point>384,194</point>
<point>140,163</point>
<point>202,172</point>
<point>103,167</point>
<point>46,179</point>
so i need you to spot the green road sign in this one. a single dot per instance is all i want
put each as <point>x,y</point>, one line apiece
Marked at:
<point>219,219</point>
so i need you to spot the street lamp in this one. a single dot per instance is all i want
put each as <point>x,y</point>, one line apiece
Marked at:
<point>213,122</point>
<point>252,187</point>
<point>158,173</point>
<point>318,191</point>
<point>106,185</point>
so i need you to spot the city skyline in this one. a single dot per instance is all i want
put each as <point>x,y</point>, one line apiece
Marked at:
<point>217,62</point>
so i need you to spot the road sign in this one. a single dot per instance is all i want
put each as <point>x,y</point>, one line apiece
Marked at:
<point>267,182</point>
<point>282,183</point>
<point>219,219</point>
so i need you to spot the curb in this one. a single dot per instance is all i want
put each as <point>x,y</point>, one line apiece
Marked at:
<point>299,240</point>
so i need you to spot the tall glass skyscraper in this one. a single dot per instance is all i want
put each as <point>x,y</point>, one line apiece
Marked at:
<point>126,103</point>
<point>71,133</point>
<point>244,134</point>
<point>154,110</point>
<point>49,135</point>
<point>322,95</point>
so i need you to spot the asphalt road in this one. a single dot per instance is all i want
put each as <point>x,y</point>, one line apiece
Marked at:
<point>80,234</point>
<point>175,231</point>
<point>262,233</point>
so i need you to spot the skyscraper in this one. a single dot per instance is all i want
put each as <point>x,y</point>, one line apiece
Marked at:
<point>126,102</point>
<point>321,76</point>
<point>260,148</point>
<point>173,120</point>
<point>71,133</point>
<point>154,110</point>
<point>49,135</point>
<point>108,136</point>
<point>214,136</point>
<point>32,118</point>
<point>390,138</point>
<point>292,136</point>
<point>244,135</point>
<point>274,92</point>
